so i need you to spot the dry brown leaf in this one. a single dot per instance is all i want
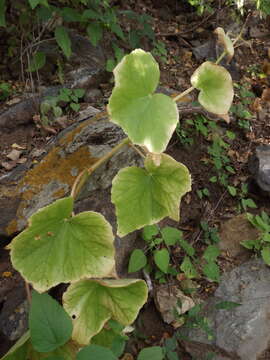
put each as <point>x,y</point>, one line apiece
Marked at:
<point>8,165</point>
<point>13,101</point>
<point>16,146</point>
<point>266,67</point>
<point>127,356</point>
<point>49,129</point>
<point>14,154</point>
<point>22,160</point>
<point>256,106</point>
<point>266,95</point>
<point>36,118</point>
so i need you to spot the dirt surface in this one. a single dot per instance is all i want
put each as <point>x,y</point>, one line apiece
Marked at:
<point>179,28</point>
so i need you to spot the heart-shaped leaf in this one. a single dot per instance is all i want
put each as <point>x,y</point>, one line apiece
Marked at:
<point>170,235</point>
<point>91,303</point>
<point>162,259</point>
<point>58,247</point>
<point>137,261</point>
<point>216,87</point>
<point>188,268</point>
<point>148,119</point>
<point>145,196</point>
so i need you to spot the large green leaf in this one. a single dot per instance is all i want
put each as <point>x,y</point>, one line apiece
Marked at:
<point>216,87</point>
<point>50,326</point>
<point>91,303</point>
<point>63,40</point>
<point>145,196</point>
<point>148,119</point>
<point>95,32</point>
<point>57,247</point>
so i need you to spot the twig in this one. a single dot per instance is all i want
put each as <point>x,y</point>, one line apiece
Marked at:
<point>137,150</point>
<point>37,39</point>
<point>235,40</point>
<point>188,30</point>
<point>86,173</point>
<point>184,93</point>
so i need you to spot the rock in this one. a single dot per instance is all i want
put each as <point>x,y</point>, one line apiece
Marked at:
<point>170,300</point>
<point>14,307</point>
<point>87,113</point>
<point>19,114</point>
<point>92,95</point>
<point>243,332</point>
<point>85,59</point>
<point>205,51</point>
<point>259,166</point>
<point>232,232</point>
<point>30,187</point>
<point>14,319</point>
<point>85,69</point>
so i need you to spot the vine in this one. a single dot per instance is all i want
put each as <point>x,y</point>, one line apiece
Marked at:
<point>59,246</point>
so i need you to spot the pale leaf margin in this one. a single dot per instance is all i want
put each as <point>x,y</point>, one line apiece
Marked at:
<point>84,328</point>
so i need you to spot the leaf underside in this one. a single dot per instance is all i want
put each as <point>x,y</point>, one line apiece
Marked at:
<point>91,303</point>
<point>216,87</point>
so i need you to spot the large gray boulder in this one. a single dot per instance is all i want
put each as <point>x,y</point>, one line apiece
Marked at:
<point>259,166</point>
<point>243,332</point>
<point>31,187</point>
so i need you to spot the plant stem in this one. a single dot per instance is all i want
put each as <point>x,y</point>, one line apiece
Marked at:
<point>86,173</point>
<point>235,40</point>
<point>184,93</point>
<point>221,57</point>
<point>28,292</point>
<point>137,150</point>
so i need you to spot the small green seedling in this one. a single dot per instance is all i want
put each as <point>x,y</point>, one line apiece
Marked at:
<point>50,108</point>
<point>240,109</point>
<point>261,245</point>
<point>5,91</point>
<point>159,243</point>
<point>245,201</point>
<point>203,193</point>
